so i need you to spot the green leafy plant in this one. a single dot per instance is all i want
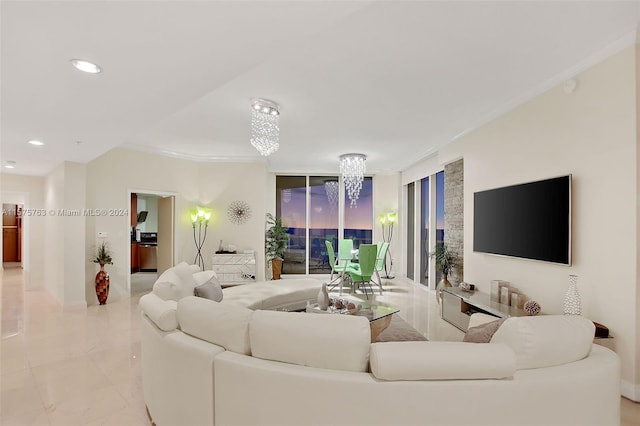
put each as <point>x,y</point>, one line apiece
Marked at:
<point>276,238</point>
<point>446,259</point>
<point>103,255</point>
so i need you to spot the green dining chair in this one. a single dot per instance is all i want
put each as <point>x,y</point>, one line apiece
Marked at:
<point>362,272</point>
<point>383,248</point>
<point>339,265</point>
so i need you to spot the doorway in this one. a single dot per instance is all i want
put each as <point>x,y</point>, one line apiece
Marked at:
<point>151,230</point>
<point>12,234</point>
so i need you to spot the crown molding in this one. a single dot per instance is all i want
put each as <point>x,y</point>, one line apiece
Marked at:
<point>197,158</point>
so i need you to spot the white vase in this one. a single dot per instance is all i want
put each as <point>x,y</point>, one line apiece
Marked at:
<point>323,298</point>
<point>572,305</point>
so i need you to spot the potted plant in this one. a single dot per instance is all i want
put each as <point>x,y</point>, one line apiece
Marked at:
<point>103,257</point>
<point>446,262</point>
<point>276,239</point>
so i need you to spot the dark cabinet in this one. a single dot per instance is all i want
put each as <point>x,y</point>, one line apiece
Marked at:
<point>135,257</point>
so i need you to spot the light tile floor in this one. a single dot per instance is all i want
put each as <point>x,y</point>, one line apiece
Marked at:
<point>83,367</point>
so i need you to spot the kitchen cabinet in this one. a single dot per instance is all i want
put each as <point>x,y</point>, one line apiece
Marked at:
<point>135,257</point>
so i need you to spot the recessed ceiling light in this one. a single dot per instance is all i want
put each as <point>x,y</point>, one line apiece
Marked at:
<point>86,66</point>
<point>10,164</point>
<point>36,143</point>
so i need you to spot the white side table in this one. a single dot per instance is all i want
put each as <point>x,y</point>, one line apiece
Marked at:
<point>235,269</point>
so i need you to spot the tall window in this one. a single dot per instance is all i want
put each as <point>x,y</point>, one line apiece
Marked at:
<point>424,231</point>
<point>410,228</point>
<point>291,206</point>
<point>439,213</point>
<point>421,238</point>
<point>323,221</point>
<point>313,211</point>
<point>358,220</point>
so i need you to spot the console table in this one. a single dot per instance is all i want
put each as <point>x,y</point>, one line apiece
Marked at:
<point>234,268</point>
<point>458,305</point>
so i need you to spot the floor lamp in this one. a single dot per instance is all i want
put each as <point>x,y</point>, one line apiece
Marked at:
<point>387,221</point>
<point>200,216</point>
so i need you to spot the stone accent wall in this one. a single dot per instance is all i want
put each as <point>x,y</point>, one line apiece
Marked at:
<point>454,213</point>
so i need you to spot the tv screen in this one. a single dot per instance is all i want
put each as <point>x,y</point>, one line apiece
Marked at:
<point>530,220</point>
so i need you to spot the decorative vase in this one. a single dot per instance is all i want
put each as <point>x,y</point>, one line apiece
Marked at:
<point>444,282</point>
<point>102,285</point>
<point>323,298</point>
<point>276,268</point>
<point>571,305</point>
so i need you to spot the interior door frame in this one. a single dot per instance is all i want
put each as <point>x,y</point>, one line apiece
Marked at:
<point>166,256</point>
<point>22,198</point>
<point>128,228</point>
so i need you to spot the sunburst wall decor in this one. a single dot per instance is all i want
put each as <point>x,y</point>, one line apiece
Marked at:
<point>239,212</point>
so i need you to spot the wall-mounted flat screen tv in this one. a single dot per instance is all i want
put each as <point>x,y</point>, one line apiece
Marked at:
<point>531,220</point>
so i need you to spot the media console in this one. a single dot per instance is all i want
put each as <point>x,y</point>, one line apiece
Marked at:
<point>458,305</point>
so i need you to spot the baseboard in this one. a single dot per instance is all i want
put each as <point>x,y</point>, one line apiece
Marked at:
<point>630,390</point>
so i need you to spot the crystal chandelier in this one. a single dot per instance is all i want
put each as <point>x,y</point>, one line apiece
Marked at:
<point>265,131</point>
<point>286,195</point>
<point>332,188</point>
<point>352,168</point>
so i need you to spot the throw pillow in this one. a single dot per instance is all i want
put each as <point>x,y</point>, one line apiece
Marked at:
<point>484,332</point>
<point>183,270</point>
<point>210,290</point>
<point>175,283</point>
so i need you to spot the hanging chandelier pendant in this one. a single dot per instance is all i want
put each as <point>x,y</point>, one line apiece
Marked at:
<point>352,168</point>
<point>332,188</point>
<point>265,130</point>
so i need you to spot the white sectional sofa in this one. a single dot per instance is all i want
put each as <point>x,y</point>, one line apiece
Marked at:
<point>208,363</point>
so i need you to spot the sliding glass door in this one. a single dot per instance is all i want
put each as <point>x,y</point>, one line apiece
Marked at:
<point>315,209</point>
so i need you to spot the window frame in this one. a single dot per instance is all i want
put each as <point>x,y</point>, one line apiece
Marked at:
<point>342,204</point>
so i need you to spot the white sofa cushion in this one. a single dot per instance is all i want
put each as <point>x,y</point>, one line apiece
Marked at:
<point>226,326</point>
<point>161,312</point>
<point>546,340</point>
<point>175,283</point>
<point>337,342</point>
<point>441,361</point>
<point>272,294</point>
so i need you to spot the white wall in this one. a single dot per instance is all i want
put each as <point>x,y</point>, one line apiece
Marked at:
<point>590,133</point>
<point>54,234</point>
<point>74,235</point>
<point>113,175</point>
<point>31,191</point>
<point>223,183</point>
<point>65,234</point>
<point>386,198</point>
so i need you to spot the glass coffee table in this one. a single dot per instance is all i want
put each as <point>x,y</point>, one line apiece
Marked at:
<point>379,315</point>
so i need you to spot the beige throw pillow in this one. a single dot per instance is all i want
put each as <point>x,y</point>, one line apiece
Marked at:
<point>484,332</point>
<point>210,290</point>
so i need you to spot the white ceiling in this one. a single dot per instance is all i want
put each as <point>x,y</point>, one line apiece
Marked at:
<point>391,79</point>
